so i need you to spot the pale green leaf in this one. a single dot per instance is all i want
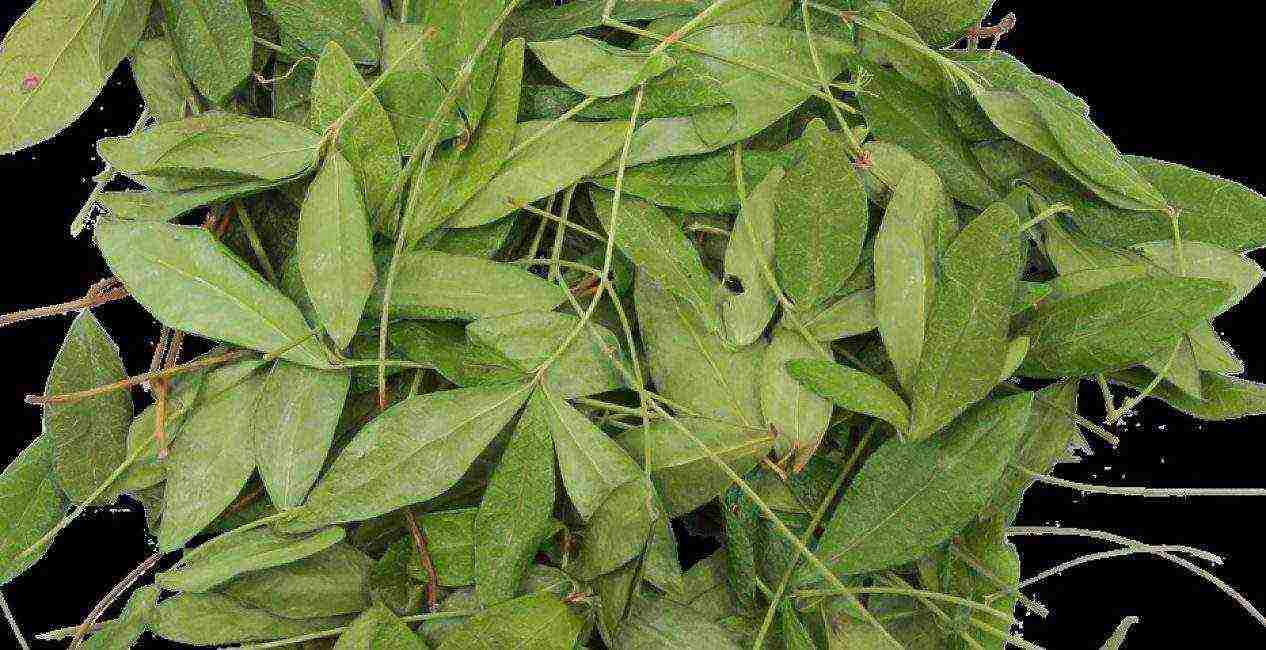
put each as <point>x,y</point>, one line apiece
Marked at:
<point>564,155</point>
<point>451,287</point>
<point>851,315</point>
<point>49,70</point>
<point>329,583</point>
<point>122,24</point>
<point>412,452</point>
<point>365,136</point>
<point>797,417</point>
<point>967,326</point>
<point>293,428</point>
<point>210,461</point>
<point>692,366</point>
<point>213,619</point>
<point>152,205</point>
<point>189,281</point>
<point>231,554</point>
<point>852,390</point>
<point>820,220</point>
<point>316,23</point>
<point>160,79</point>
<point>590,463</point>
<point>596,68</point>
<point>661,624</point>
<point>336,260</point>
<point>533,622</point>
<point>529,339</point>
<point>746,313</point>
<point>1043,444</point>
<point>619,529</point>
<point>89,435</point>
<point>514,514</point>
<point>379,629</point>
<point>1223,398</point>
<point>702,183</point>
<point>905,267</point>
<point>213,40</point>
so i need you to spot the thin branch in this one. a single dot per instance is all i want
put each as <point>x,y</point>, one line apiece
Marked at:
<point>105,291</point>
<point>111,596</point>
<point>424,552</point>
<point>41,400</point>
<point>13,622</point>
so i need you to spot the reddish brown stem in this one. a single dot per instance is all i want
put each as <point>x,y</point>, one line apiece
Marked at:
<point>162,387</point>
<point>432,579</point>
<point>40,400</point>
<point>107,290</point>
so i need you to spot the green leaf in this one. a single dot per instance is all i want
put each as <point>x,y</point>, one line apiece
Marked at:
<point>49,70</point>
<point>661,250</point>
<point>1223,398</point>
<point>901,113</point>
<point>747,312</point>
<point>293,428</point>
<point>89,435</point>
<point>30,505</point>
<point>329,583</point>
<point>450,287</point>
<point>365,137</point>
<point>213,149</point>
<point>851,315</point>
<point>459,173</point>
<point>1117,326</point>
<point>122,24</point>
<point>820,218</point>
<point>159,78</point>
<point>596,68</point>
<point>214,41</point>
<point>336,259</point>
<point>539,22</point>
<point>529,339</point>
<point>685,476</point>
<point>942,22</point>
<point>213,619</point>
<point>149,205</point>
<point>967,326</point>
<point>132,622</point>
<point>1210,209</point>
<point>1042,445</point>
<point>911,496</point>
<point>316,23</point>
<point>514,515</point>
<point>189,281</point>
<point>851,390</point>
<point>210,461</point>
<point>451,542</point>
<point>379,629</point>
<point>692,366</point>
<point>702,183</point>
<point>234,553</point>
<point>564,155</point>
<point>1095,156</point>
<point>1201,260</point>
<point>797,417</point>
<point>619,529</point>
<point>536,622</point>
<point>986,542</point>
<point>905,267</point>
<point>411,93</point>
<point>461,26</point>
<point>755,102</point>
<point>412,452</point>
<point>659,623</point>
<point>590,463</point>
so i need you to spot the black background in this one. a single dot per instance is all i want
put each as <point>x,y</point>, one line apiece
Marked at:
<point>1175,86</point>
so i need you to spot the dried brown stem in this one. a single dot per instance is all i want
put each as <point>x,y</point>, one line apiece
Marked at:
<point>162,387</point>
<point>111,596</point>
<point>40,400</point>
<point>107,290</point>
<point>432,579</point>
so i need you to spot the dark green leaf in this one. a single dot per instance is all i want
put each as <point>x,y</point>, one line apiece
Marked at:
<point>132,622</point>
<point>590,463</point>
<point>529,339</point>
<point>213,619</point>
<point>748,253</point>
<point>89,435</point>
<point>160,79</point>
<point>911,496</point>
<point>537,621</point>
<point>30,505</point>
<point>796,416</point>
<point>316,23</point>
<point>234,553</point>
<point>450,287</point>
<point>379,629</point>
<point>852,390</point>
<point>213,40</point>
<point>596,68</point>
<point>330,583</point>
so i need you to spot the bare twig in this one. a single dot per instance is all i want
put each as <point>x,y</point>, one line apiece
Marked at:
<point>40,400</point>
<point>424,552</point>
<point>111,596</point>
<point>105,291</point>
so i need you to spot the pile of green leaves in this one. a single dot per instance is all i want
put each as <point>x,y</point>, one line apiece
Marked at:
<point>506,296</point>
